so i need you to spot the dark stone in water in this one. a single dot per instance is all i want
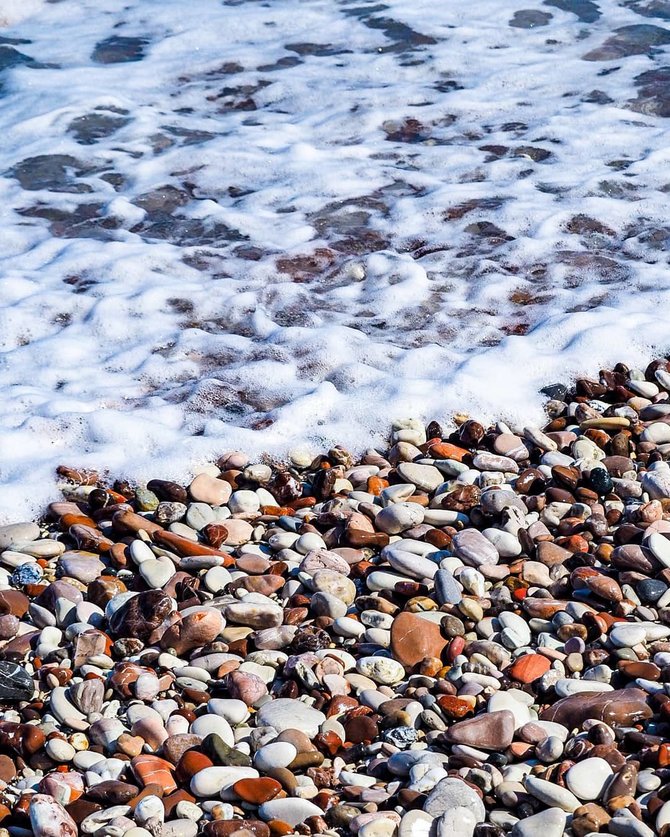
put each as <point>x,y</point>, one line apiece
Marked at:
<point>637,39</point>
<point>91,127</point>
<point>119,50</point>
<point>555,391</point>
<point>586,11</point>
<point>10,57</point>
<point>529,19</point>
<point>650,8</point>
<point>53,172</point>
<point>654,92</point>
<point>15,682</point>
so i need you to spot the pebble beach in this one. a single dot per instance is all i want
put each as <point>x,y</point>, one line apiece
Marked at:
<point>466,634</point>
<point>334,418</point>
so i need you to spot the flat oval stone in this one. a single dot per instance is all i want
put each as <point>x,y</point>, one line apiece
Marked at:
<point>453,793</point>
<point>413,638</point>
<point>549,823</point>
<point>283,713</point>
<point>425,477</point>
<point>490,731</point>
<point>473,548</point>
<point>210,490</point>
<point>623,707</point>
<point>290,810</point>
<point>257,791</point>
<point>212,780</point>
<point>588,778</point>
<point>551,794</point>
<point>15,682</point>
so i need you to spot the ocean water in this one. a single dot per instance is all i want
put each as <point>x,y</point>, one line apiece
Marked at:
<point>269,225</point>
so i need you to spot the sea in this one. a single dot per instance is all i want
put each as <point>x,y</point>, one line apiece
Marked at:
<point>273,225</point>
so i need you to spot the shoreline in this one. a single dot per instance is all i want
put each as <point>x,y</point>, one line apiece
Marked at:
<point>471,630</point>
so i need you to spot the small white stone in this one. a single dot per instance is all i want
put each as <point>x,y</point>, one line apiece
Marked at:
<point>382,670</point>
<point>275,754</point>
<point>588,778</point>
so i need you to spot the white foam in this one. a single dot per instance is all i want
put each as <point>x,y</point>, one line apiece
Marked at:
<point>260,255</point>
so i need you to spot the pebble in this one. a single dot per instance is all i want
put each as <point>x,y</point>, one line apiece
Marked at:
<point>588,778</point>
<point>284,714</point>
<point>468,636</point>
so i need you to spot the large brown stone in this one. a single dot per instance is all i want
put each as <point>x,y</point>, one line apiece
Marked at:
<point>490,731</point>
<point>623,707</point>
<point>413,638</point>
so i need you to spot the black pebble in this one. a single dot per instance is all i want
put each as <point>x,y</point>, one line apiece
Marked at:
<point>15,682</point>
<point>555,391</point>
<point>600,481</point>
<point>650,590</point>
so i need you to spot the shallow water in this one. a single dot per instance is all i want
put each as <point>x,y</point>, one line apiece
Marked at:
<point>264,224</point>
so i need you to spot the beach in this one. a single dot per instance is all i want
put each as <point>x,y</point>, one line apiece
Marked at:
<point>237,227</point>
<point>335,409</point>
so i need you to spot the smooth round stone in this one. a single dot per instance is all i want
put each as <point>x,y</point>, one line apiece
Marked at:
<point>348,628</point>
<point>244,502</point>
<point>255,611</point>
<point>663,817</point>
<point>549,750</point>
<point>199,515</point>
<point>140,552</point>
<point>382,670</point>
<point>657,432</point>
<point>648,781</point>
<point>587,779</point>
<point>515,632</point>
<point>233,710</point>
<point>452,793</point>
<point>415,566</point>
<point>549,823</point>
<point>338,585</point>
<point>660,547</point>
<point>551,794</point>
<point>216,578</point>
<point>210,490</point>
<point>416,823</point>
<point>425,477</point>
<point>276,754</point>
<point>18,533</point>
<point>473,548</point>
<point>207,724</point>
<point>399,517</point>
<point>157,573</point>
<point>379,827</point>
<point>650,590</point>
<point>290,810</point>
<point>507,545</point>
<point>60,750</point>
<point>457,822</point>
<point>566,686</point>
<point>239,532</point>
<point>83,568</point>
<point>627,636</point>
<point>212,780</point>
<point>447,589</point>
<point>325,604</point>
<point>308,543</point>
<point>656,483</point>
<point>283,713</point>
<point>505,700</point>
